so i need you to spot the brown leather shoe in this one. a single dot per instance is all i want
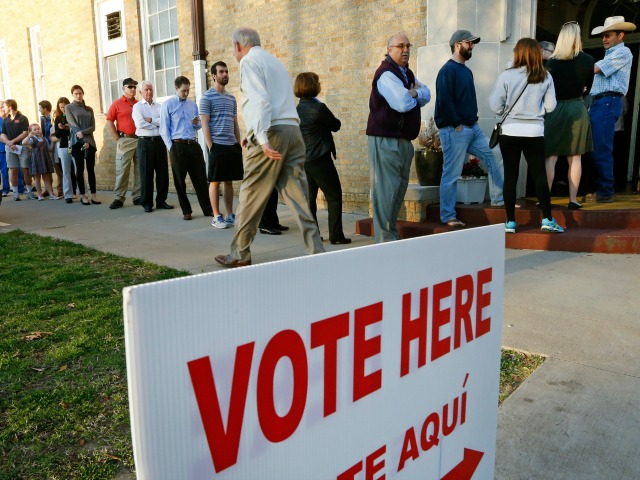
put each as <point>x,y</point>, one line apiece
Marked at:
<point>187,216</point>
<point>229,261</point>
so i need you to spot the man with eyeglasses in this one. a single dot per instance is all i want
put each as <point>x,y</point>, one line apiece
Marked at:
<point>610,84</point>
<point>456,116</point>
<point>394,120</point>
<point>123,130</point>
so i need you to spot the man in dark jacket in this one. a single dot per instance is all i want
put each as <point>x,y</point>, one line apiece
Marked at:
<point>394,120</point>
<point>456,117</point>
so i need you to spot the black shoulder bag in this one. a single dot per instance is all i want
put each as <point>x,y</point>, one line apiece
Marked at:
<point>497,130</point>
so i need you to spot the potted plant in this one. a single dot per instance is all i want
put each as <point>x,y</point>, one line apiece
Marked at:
<point>472,184</point>
<point>428,159</point>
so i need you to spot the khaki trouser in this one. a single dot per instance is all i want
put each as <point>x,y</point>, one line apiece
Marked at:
<point>127,154</point>
<point>261,174</point>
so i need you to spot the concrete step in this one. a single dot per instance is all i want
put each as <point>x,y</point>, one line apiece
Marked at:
<point>595,228</point>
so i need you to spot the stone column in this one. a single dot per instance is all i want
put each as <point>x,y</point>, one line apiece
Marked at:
<point>499,24</point>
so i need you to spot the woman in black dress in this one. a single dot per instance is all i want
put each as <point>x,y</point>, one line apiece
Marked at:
<point>567,130</point>
<point>316,123</point>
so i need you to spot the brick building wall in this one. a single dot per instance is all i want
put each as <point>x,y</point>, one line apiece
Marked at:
<point>342,41</point>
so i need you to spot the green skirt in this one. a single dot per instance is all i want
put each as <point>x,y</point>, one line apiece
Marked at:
<point>567,129</point>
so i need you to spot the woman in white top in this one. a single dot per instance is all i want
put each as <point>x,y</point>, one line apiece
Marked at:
<point>529,89</point>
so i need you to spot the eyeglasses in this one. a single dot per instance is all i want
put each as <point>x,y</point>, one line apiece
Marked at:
<point>130,86</point>
<point>573,22</point>
<point>402,46</point>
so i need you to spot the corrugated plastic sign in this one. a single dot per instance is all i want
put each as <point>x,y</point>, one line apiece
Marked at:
<point>379,362</point>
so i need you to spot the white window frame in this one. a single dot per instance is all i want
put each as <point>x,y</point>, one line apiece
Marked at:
<point>111,93</point>
<point>37,62</point>
<point>109,48</point>
<point>149,46</point>
<point>5,84</point>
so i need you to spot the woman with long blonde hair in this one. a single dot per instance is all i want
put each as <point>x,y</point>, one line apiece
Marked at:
<point>526,91</point>
<point>568,128</point>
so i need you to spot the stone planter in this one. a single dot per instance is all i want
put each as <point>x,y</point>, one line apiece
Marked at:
<point>471,190</point>
<point>428,167</point>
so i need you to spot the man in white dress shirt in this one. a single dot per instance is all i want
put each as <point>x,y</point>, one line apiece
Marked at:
<point>152,152</point>
<point>276,150</point>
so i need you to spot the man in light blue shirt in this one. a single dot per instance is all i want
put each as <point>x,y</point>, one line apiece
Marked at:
<point>610,84</point>
<point>179,123</point>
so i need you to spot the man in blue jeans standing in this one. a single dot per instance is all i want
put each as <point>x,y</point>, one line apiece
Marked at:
<point>610,84</point>
<point>456,116</point>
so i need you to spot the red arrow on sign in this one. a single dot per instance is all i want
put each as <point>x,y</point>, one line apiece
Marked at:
<point>466,468</point>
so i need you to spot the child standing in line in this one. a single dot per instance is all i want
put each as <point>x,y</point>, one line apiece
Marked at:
<point>40,164</point>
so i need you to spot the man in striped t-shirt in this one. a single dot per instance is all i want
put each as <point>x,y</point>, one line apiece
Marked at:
<point>219,114</point>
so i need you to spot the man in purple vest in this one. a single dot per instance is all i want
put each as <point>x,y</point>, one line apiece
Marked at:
<point>394,120</point>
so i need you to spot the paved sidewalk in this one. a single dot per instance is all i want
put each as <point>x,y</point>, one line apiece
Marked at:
<point>576,417</point>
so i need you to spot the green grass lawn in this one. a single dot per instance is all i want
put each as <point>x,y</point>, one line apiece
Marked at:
<point>64,410</point>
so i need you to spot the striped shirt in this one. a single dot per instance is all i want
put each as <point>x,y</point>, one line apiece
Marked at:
<point>222,110</point>
<point>616,69</point>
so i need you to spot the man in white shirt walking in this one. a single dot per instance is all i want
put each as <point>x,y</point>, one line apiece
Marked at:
<point>276,150</point>
<point>152,152</point>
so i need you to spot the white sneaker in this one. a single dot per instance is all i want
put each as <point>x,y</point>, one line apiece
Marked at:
<point>219,222</point>
<point>231,219</point>
<point>54,197</point>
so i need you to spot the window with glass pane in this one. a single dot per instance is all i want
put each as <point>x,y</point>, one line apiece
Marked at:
<point>37,61</point>
<point>4,77</point>
<point>115,71</point>
<point>163,39</point>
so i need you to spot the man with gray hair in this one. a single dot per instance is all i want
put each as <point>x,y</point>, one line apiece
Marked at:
<point>276,150</point>
<point>152,152</point>
<point>394,120</point>
<point>547,49</point>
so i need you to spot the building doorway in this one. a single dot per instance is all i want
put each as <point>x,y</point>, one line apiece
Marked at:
<point>551,15</point>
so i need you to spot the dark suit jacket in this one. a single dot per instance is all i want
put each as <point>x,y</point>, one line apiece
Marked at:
<point>316,123</point>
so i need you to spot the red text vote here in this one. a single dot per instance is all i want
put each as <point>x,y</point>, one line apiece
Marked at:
<point>449,315</point>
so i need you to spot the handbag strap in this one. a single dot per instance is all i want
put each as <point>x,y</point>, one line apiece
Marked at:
<point>506,114</point>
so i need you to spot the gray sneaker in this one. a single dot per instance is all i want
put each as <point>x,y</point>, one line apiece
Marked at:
<point>32,196</point>
<point>231,219</point>
<point>16,197</point>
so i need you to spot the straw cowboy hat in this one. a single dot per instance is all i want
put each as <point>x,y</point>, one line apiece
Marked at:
<point>615,24</point>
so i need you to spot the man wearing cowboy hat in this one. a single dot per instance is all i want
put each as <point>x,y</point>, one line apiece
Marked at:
<point>610,84</point>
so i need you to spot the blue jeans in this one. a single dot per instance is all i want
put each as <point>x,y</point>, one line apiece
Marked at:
<point>5,173</point>
<point>455,148</point>
<point>603,113</point>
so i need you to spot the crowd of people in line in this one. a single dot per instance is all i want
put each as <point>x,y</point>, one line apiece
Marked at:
<point>290,149</point>
<point>541,100</point>
<point>285,145</point>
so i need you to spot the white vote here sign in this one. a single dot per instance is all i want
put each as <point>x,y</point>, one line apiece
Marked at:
<point>379,362</point>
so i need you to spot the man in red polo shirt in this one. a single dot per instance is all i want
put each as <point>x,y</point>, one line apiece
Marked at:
<point>122,128</point>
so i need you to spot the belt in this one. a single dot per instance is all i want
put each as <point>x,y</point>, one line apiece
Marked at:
<point>153,139</point>
<point>606,94</point>
<point>124,135</point>
<point>184,140</point>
